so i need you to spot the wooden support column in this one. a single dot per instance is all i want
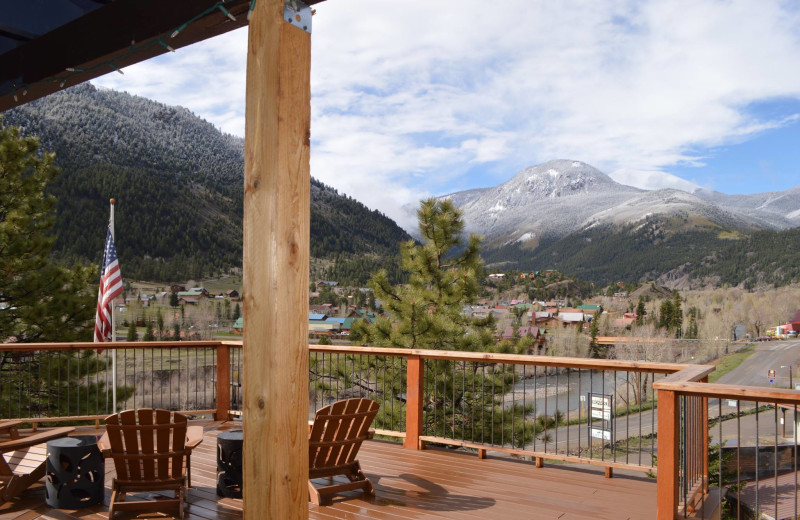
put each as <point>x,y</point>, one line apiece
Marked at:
<point>668,454</point>
<point>276,263</point>
<point>223,382</point>
<point>415,381</point>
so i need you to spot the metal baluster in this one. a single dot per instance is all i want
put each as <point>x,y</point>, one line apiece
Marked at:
<point>775,460</point>
<point>580,414</point>
<point>483,401</point>
<point>627,413</point>
<point>757,465</point>
<point>524,402</point>
<point>738,460</point>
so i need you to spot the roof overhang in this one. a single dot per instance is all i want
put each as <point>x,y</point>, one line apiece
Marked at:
<point>41,39</point>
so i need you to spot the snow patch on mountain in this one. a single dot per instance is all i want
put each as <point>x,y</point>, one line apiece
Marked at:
<point>560,197</point>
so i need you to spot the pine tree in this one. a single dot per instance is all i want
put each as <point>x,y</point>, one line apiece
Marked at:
<point>593,332</point>
<point>176,331</point>
<point>173,299</point>
<point>676,323</point>
<point>133,335</point>
<point>39,300</point>
<point>160,323</point>
<point>148,332</point>
<point>640,312</point>
<point>237,312</point>
<point>426,313</point>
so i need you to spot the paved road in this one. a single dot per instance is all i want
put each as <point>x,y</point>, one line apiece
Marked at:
<point>769,355</point>
<point>752,372</point>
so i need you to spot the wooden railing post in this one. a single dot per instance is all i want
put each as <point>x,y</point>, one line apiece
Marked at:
<point>415,380</point>
<point>668,454</point>
<point>223,382</point>
<point>704,444</point>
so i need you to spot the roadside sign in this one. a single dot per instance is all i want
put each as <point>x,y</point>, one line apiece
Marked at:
<point>601,424</point>
<point>771,374</point>
<point>732,402</point>
<point>772,381</point>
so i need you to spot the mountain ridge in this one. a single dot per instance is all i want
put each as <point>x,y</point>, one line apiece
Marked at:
<point>178,182</point>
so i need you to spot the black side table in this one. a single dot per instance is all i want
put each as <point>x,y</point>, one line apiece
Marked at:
<point>75,472</point>
<point>229,464</point>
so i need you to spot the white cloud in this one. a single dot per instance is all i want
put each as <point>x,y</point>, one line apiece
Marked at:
<point>652,180</point>
<point>410,97</point>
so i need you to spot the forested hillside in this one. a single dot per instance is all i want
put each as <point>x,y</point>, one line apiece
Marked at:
<point>178,182</point>
<point>706,255</point>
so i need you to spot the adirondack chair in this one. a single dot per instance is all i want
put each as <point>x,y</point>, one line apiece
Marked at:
<point>148,456</point>
<point>23,458</point>
<point>334,440</point>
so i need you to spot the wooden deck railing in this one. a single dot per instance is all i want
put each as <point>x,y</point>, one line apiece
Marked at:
<point>417,389</point>
<point>683,434</point>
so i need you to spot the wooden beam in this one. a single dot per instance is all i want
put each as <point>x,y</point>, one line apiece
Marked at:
<point>276,266</point>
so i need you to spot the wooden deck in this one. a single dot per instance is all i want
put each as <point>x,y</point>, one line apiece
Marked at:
<point>433,484</point>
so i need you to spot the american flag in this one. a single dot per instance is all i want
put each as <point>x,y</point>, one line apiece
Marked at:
<point>110,288</point>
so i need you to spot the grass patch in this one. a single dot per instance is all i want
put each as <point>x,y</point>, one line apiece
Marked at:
<point>730,362</point>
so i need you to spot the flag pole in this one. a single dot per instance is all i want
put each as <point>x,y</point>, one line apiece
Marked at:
<point>113,330</point>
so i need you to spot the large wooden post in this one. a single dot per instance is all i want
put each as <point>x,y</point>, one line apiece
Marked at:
<point>276,262</point>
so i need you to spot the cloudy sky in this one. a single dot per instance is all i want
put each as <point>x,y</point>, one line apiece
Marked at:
<point>413,98</point>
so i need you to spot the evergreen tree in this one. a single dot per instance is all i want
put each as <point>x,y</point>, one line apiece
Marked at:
<point>665,315</point>
<point>173,299</point>
<point>148,333</point>
<point>640,312</point>
<point>237,312</point>
<point>426,313</point>
<point>160,323</point>
<point>39,300</point>
<point>133,335</point>
<point>176,331</point>
<point>593,332</point>
<point>676,322</point>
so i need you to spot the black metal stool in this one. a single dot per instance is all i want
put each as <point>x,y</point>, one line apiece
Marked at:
<point>229,464</point>
<point>75,472</point>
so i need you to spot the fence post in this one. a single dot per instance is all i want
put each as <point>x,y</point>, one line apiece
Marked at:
<point>415,382</point>
<point>668,454</point>
<point>223,382</point>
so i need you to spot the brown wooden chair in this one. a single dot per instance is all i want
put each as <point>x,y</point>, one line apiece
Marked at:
<point>148,456</point>
<point>194,437</point>
<point>333,444</point>
<point>23,458</point>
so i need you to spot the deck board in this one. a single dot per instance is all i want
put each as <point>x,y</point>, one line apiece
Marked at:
<point>435,484</point>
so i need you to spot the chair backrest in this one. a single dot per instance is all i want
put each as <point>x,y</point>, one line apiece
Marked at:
<point>338,431</point>
<point>150,449</point>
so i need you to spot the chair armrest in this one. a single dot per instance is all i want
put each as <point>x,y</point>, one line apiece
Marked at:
<point>6,427</point>
<point>194,436</point>
<point>105,445</point>
<point>36,438</point>
<point>370,434</point>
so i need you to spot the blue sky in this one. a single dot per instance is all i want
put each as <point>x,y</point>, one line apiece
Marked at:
<point>412,98</point>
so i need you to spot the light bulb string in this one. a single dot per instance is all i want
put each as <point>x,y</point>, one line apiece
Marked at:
<point>134,48</point>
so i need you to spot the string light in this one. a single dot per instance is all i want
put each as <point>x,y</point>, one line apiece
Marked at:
<point>62,81</point>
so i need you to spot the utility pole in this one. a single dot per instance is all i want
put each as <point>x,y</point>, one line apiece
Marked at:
<point>791,385</point>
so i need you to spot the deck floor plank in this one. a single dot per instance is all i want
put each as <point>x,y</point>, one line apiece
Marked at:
<point>437,484</point>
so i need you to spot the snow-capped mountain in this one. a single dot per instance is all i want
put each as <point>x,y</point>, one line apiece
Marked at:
<point>561,197</point>
<point>772,210</point>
